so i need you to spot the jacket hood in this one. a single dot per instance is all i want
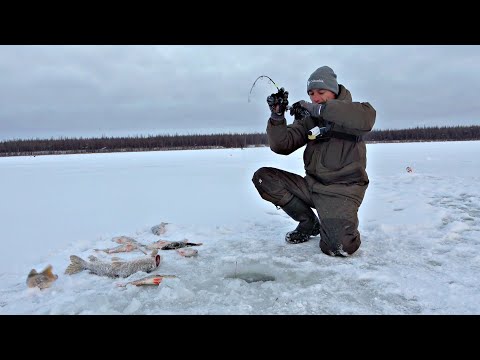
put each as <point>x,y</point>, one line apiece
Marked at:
<point>344,93</point>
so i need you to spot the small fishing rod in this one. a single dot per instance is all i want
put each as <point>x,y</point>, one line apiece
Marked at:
<point>297,110</point>
<point>255,82</point>
<point>270,79</point>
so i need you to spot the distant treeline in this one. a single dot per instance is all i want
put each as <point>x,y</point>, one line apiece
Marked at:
<point>452,133</point>
<point>126,144</point>
<point>183,142</point>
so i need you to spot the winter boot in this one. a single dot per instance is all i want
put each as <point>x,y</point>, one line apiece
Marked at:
<point>309,224</point>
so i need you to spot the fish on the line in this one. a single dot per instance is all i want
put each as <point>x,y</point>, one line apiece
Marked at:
<point>149,280</point>
<point>41,280</point>
<point>115,268</point>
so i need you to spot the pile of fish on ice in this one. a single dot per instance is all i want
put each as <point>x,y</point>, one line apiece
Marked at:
<point>118,267</point>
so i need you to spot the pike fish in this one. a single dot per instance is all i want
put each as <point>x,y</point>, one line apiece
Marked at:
<point>41,280</point>
<point>116,268</point>
<point>149,280</point>
<point>171,245</point>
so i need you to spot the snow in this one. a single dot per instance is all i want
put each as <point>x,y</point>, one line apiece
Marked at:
<point>420,234</point>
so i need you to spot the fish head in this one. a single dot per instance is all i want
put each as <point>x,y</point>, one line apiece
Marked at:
<point>40,281</point>
<point>32,281</point>
<point>49,281</point>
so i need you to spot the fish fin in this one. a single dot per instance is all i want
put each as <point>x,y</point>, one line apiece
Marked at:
<point>48,272</point>
<point>77,265</point>
<point>92,258</point>
<point>32,273</point>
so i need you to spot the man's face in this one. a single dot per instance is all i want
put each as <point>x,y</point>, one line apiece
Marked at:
<point>320,96</point>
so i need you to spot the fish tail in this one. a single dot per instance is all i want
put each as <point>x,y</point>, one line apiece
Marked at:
<point>77,265</point>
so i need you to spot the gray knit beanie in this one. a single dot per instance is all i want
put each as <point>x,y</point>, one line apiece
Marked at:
<point>323,78</point>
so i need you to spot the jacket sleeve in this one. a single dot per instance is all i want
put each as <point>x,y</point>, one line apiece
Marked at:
<point>355,118</point>
<point>284,139</point>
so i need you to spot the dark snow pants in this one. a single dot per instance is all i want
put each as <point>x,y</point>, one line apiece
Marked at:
<point>337,213</point>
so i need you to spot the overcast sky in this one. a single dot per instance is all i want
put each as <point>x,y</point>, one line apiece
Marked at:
<point>80,90</point>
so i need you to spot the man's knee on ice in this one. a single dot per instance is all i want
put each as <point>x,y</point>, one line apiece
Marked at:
<point>339,237</point>
<point>262,178</point>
